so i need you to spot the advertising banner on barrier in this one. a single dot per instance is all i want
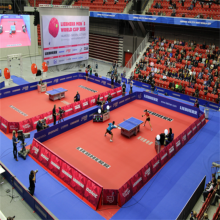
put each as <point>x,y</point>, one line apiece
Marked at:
<point>183,138</point>
<point>44,156</point>
<point>110,196</point>
<point>55,164</point>
<point>78,182</point>
<point>101,98</point>
<point>194,128</point>
<point>26,125</point>
<point>92,192</point>
<point>177,143</point>
<point>49,117</point>
<point>163,156</point>
<point>92,100</point>
<point>66,172</point>
<point>146,172</point>
<point>189,133</point>
<point>171,104</point>
<point>119,91</point>
<point>0,121</point>
<point>77,107</point>
<point>113,93</point>
<point>68,110</point>
<point>106,95</point>
<point>203,120</point>
<point>35,120</point>
<point>198,124</point>
<point>155,163</point>
<point>13,126</point>
<point>35,149</point>
<point>125,192</point>
<point>136,182</point>
<point>84,104</point>
<point>4,125</point>
<point>171,149</point>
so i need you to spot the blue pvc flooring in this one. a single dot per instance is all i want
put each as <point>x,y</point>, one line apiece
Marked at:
<point>163,197</point>
<point>19,81</point>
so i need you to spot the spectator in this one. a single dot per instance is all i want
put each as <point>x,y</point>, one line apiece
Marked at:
<point>217,99</point>
<point>39,125</point>
<point>155,91</point>
<point>208,189</point>
<point>196,104</point>
<point>182,1</point>
<point>206,216</point>
<point>193,215</point>
<point>180,88</point>
<point>177,87</point>
<point>172,85</point>
<point>205,90</point>
<point>217,193</point>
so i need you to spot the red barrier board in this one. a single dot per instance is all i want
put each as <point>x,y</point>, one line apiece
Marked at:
<point>106,95</point>
<point>13,126</point>
<point>146,172</point>
<point>183,138</point>
<point>136,182</point>
<point>203,119</point>
<point>163,156</point>
<point>113,93</point>
<point>78,182</point>
<point>55,164</point>
<point>189,133</point>
<point>92,193</point>
<point>35,120</point>
<point>0,121</point>
<point>4,125</point>
<point>84,103</point>
<point>26,125</point>
<point>155,163</point>
<point>35,149</point>
<point>198,124</point>
<point>68,110</point>
<point>177,143</point>
<point>110,196</point>
<point>194,128</point>
<point>125,192</point>
<point>49,117</point>
<point>171,149</point>
<point>66,173</point>
<point>92,101</point>
<point>77,106</point>
<point>101,98</point>
<point>44,156</point>
<point>119,91</point>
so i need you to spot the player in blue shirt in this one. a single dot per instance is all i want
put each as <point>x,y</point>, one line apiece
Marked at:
<point>109,129</point>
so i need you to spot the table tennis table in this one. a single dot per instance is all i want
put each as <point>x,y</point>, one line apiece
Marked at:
<point>130,127</point>
<point>13,29</point>
<point>56,94</point>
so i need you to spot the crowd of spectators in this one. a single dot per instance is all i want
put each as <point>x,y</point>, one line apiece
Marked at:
<point>186,8</point>
<point>185,67</point>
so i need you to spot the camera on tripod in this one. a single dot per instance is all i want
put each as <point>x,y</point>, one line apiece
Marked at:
<point>22,136</point>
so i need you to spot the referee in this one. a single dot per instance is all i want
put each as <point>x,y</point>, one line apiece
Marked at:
<point>14,140</point>
<point>123,89</point>
<point>54,115</point>
<point>112,81</point>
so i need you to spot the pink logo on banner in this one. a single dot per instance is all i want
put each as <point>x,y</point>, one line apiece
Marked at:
<point>77,107</point>
<point>92,100</point>
<point>125,192</point>
<point>113,93</point>
<point>155,163</point>
<point>101,98</point>
<point>119,91</point>
<point>35,149</point>
<point>110,196</point>
<point>66,173</point>
<point>26,125</point>
<point>178,143</point>
<point>171,149</point>
<point>78,182</point>
<point>189,133</point>
<point>4,125</point>
<point>0,121</point>
<point>136,182</point>
<point>106,95</point>
<point>163,156</point>
<point>44,156</point>
<point>84,103</point>
<point>13,126</point>
<point>68,110</point>
<point>146,172</point>
<point>194,128</point>
<point>198,124</point>
<point>203,119</point>
<point>92,193</point>
<point>55,164</point>
<point>184,138</point>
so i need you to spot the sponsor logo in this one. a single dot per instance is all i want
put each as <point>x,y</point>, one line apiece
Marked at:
<point>69,77</point>
<point>16,90</point>
<point>74,50</point>
<point>68,110</point>
<point>61,51</point>
<point>139,180</point>
<point>147,172</point>
<point>55,61</point>
<point>81,57</point>
<point>188,110</point>
<point>97,80</point>
<point>64,126</point>
<point>36,150</point>
<point>78,183</point>
<point>68,50</point>
<point>93,157</point>
<point>126,192</point>
<point>55,165</point>
<point>80,50</point>
<point>41,137</point>
<point>84,118</point>
<point>189,132</point>
<point>110,199</point>
<point>139,96</point>
<point>178,143</point>
<point>62,79</point>
<point>85,103</point>
<point>4,125</point>
<point>121,101</point>
<point>56,81</point>
<point>51,132</point>
<point>46,158</point>
<point>167,103</point>
<point>165,155</point>
<point>50,53</point>
<point>7,92</point>
<point>77,106</point>
<point>103,82</point>
<point>61,61</point>
<point>26,126</point>
<point>115,104</point>
<point>48,62</point>
<point>34,86</point>
<point>92,100</point>
<point>160,116</point>
<point>74,122</point>
<point>91,192</point>
<point>91,90</point>
<point>67,174</point>
<point>151,98</point>
<point>86,48</point>
<point>74,58</point>
<point>156,163</point>
<point>25,88</point>
<point>175,94</point>
<point>68,59</point>
<point>184,138</point>
<point>171,149</point>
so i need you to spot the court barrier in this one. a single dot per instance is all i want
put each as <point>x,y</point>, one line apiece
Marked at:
<point>26,196</point>
<point>28,125</point>
<point>132,186</point>
<point>78,181</point>
<point>184,97</point>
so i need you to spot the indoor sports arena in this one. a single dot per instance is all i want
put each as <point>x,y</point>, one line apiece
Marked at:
<point>109,109</point>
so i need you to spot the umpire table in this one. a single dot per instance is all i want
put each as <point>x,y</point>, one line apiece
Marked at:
<point>56,94</point>
<point>130,127</point>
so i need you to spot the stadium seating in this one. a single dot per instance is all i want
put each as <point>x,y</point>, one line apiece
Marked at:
<point>213,12</point>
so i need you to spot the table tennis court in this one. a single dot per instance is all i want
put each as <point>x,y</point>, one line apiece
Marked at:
<point>34,103</point>
<point>125,156</point>
<point>19,38</point>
